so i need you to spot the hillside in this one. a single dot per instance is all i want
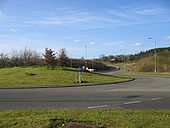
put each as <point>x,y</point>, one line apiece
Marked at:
<point>163,52</point>
<point>143,61</point>
<point>145,64</point>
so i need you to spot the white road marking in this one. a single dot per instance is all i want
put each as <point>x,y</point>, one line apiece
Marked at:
<point>132,102</point>
<point>101,106</point>
<point>158,98</point>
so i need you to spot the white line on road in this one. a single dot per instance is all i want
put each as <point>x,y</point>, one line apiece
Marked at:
<point>132,102</point>
<point>101,106</point>
<point>158,98</point>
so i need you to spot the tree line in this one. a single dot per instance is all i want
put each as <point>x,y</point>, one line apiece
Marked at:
<point>164,52</point>
<point>50,58</point>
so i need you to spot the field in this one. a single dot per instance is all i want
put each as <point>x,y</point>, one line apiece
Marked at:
<point>103,118</point>
<point>42,76</point>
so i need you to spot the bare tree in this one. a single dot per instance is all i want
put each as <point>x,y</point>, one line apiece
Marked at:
<point>26,57</point>
<point>4,60</point>
<point>49,57</point>
<point>63,59</point>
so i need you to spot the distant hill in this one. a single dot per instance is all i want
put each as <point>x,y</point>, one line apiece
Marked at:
<point>146,64</point>
<point>142,62</point>
<point>164,52</point>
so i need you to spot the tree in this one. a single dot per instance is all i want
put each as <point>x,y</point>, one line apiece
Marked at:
<point>49,57</point>
<point>4,60</point>
<point>24,57</point>
<point>63,59</point>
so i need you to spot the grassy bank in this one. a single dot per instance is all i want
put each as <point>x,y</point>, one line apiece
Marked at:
<point>41,76</point>
<point>148,73</point>
<point>104,118</point>
<point>146,64</point>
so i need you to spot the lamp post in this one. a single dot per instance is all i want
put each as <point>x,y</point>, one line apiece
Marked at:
<point>86,56</point>
<point>155,52</point>
<point>86,51</point>
<point>124,61</point>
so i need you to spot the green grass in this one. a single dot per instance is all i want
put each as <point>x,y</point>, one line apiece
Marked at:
<point>148,73</point>
<point>41,76</point>
<point>146,64</point>
<point>104,118</point>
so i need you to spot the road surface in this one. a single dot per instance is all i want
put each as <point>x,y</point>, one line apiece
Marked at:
<point>146,92</point>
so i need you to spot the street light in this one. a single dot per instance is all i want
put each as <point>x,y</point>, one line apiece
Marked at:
<point>155,52</point>
<point>86,56</point>
<point>124,61</point>
<point>86,51</point>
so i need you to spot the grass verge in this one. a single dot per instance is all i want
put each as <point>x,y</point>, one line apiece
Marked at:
<point>147,73</point>
<point>104,118</point>
<point>41,76</point>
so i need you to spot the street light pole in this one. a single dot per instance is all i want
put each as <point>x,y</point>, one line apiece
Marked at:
<point>155,53</point>
<point>86,56</point>
<point>124,62</point>
<point>86,51</point>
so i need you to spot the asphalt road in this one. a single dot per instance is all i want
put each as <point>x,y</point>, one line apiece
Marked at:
<point>146,92</point>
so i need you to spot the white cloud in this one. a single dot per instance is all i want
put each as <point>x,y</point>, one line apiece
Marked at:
<point>127,6</point>
<point>77,41</point>
<point>92,43</point>
<point>75,36</point>
<point>12,30</point>
<point>2,16</point>
<point>167,38</point>
<point>166,43</point>
<point>119,13</point>
<point>63,8</point>
<point>1,13</point>
<point>112,44</point>
<point>138,44</point>
<point>74,18</point>
<point>147,12</point>
<point>79,19</point>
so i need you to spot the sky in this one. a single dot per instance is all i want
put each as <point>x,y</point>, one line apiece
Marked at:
<point>108,27</point>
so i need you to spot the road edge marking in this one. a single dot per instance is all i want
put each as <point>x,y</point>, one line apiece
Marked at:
<point>101,106</point>
<point>132,102</point>
<point>158,98</point>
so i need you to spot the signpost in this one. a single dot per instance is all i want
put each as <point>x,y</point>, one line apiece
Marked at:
<point>80,77</point>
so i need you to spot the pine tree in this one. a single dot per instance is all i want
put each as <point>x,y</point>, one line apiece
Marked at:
<point>49,57</point>
<point>63,59</point>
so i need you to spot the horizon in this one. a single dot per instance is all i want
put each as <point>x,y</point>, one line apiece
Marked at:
<point>106,27</point>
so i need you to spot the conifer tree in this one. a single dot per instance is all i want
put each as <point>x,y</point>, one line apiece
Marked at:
<point>49,57</point>
<point>63,59</point>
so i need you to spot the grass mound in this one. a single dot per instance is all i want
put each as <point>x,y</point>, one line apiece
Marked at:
<point>42,76</point>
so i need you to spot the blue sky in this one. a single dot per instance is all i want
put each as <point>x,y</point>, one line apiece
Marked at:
<point>104,26</point>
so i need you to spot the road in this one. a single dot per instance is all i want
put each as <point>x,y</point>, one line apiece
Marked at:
<point>146,92</point>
